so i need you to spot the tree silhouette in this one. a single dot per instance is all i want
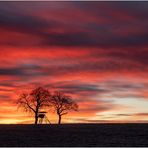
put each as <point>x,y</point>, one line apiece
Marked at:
<point>62,104</point>
<point>35,101</point>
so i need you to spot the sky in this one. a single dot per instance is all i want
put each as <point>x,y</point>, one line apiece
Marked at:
<point>97,52</point>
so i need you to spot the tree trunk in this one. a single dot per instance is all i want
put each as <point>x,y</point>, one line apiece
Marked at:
<point>36,118</point>
<point>59,119</point>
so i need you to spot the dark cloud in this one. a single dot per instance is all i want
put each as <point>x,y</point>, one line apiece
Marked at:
<point>93,34</point>
<point>11,71</point>
<point>96,108</point>
<point>121,114</point>
<point>18,21</point>
<point>21,21</point>
<point>4,97</point>
<point>94,121</point>
<point>68,39</point>
<point>105,65</point>
<point>84,39</point>
<point>80,87</point>
<point>125,89</point>
<point>5,90</point>
<point>123,85</point>
<point>22,70</point>
<point>104,35</point>
<point>141,114</point>
<point>137,9</point>
<point>131,114</point>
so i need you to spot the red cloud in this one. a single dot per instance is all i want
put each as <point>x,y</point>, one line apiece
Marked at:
<point>90,50</point>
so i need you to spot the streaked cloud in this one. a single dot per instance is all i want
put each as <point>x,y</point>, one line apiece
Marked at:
<point>95,51</point>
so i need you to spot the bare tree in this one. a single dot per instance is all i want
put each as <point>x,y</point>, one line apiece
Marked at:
<point>35,101</point>
<point>62,104</point>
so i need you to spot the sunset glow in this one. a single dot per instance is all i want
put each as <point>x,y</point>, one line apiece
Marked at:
<point>97,52</point>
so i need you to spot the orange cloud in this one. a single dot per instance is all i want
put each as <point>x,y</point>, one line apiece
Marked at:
<point>93,51</point>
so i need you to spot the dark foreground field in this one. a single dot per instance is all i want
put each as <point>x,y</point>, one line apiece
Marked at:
<point>74,135</point>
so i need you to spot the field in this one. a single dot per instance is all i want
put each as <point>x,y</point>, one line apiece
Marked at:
<point>74,135</point>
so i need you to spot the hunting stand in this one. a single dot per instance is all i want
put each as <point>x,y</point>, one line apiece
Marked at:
<point>43,118</point>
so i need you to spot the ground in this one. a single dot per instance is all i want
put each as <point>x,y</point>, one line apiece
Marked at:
<point>74,135</point>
